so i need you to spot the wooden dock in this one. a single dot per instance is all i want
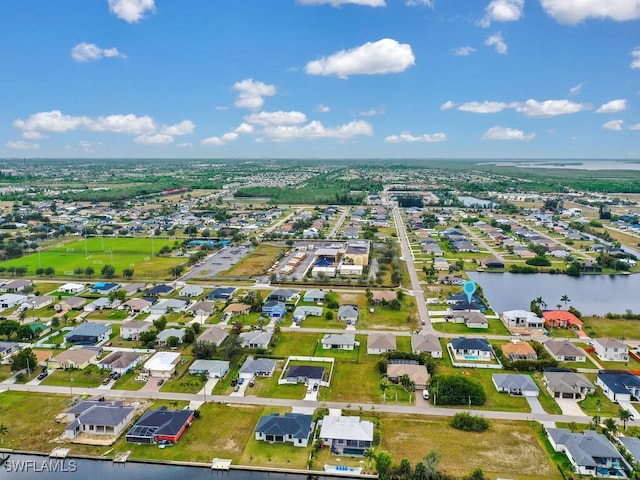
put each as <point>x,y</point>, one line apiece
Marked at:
<point>121,457</point>
<point>221,464</point>
<point>59,452</point>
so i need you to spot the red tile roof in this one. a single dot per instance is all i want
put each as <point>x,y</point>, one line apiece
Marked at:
<point>554,318</point>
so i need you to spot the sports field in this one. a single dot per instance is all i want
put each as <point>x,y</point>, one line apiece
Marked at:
<point>139,254</point>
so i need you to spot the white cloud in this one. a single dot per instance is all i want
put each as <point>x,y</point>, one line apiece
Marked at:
<point>576,11</point>
<point>502,11</point>
<point>222,108</point>
<point>53,121</point>
<point>89,52</point>
<point>634,127</point>
<point>130,124</point>
<point>373,112</point>
<point>22,145</point>
<point>185,145</point>
<point>614,125</point>
<point>424,138</point>
<point>315,130</point>
<point>416,3</point>
<point>251,93</point>
<point>577,89</point>
<point>498,42</point>
<point>383,56</point>
<point>482,107</point>
<point>549,108</point>
<point>322,108</point>
<point>34,135</point>
<point>614,106</point>
<point>503,133</point>
<point>216,141</point>
<point>131,11</point>
<point>463,51</point>
<point>185,127</point>
<point>276,118</point>
<point>635,54</point>
<point>154,139</point>
<point>338,3</point>
<point>230,137</point>
<point>447,105</point>
<point>244,128</point>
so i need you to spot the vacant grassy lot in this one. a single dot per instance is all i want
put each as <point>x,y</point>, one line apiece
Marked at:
<point>506,448</point>
<point>496,327</point>
<point>256,263</point>
<point>89,377</point>
<point>611,328</point>
<point>136,253</point>
<point>296,344</point>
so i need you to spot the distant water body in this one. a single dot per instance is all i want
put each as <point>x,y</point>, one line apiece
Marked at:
<point>572,164</point>
<point>35,467</point>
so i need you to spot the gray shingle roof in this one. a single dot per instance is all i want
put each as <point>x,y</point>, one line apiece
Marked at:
<point>296,424</point>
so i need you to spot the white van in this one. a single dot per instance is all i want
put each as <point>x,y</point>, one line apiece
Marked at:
<point>425,394</point>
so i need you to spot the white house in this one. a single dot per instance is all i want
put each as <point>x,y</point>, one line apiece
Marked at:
<point>72,288</point>
<point>256,339</point>
<point>346,435</point>
<point>132,329</point>
<point>10,300</point>
<point>162,364</point>
<point>421,343</point>
<point>343,341</point>
<point>212,368</point>
<point>164,335</point>
<point>168,305</point>
<point>378,343</point>
<point>610,350</point>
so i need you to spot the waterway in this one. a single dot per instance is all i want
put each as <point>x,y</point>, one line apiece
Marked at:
<point>35,467</point>
<point>590,294</point>
<point>474,202</point>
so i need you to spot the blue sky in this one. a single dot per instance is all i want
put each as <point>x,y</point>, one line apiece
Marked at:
<point>320,78</point>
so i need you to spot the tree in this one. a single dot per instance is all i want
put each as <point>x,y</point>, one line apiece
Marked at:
<point>232,347</point>
<point>160,323</point>
<point>565,299</point>
<point>148,338</point>
<point>89,271</point>
<point>430,462</point>
<point>456,389</point>
<point>173,341</point>
<point>404,470</point>
<point>127,272</point>
<point>55,322</point>
<point>24,359</point>
<point>625,415</point>
<point>177,270</point>
<point>204,350</point>
<point>49,271</point>
<point>78,271</point>
<point>108,271</point>
<point>189,335</point>
<point>610,427</point>
<point>477,474</point>
<point>370,454</point>
<point>383,464</point>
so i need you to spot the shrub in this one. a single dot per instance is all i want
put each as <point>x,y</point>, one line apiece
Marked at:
<point>469,423</point>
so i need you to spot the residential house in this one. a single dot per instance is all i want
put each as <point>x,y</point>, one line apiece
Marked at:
<point>471,319</point>
<point>346,435</point>
<point>348,313</point>
<point>235,309</point>
<point>202,308</point>
<point>293,428</point>
<point>214,335</point>
<point>610,350</point>
<point>378,343</point>
<point>256,339</point>
<point>521,319</point>
<point>136,306</point>
<point>132,329</point>
<point>471,348</point>
<point>98,418</point>
<point>105,288</point>
<point>212,368</point>
<point>160,290</point>
<point>10,300</point>
<point>101,303</point>
<point>41,301</point>
<point>590,453</point>
<point>561,319</point>
<point>257,367</point>
<point>89,333</point>
<point>162,364</point>
<point>632,445</point>
<point>133,288</point>
<point>518,351</point>
<point>7,349</point>
<point>72,303</point>
<point>77,358</point>
<point>160,425</point>
<point>283,295</point>
<point>315,296</point>
<point>432,248</point>
<point>490,263</point>
<point>441,265</point>
<point>273,309</point>
<point>300,313</point>
<point>15,286</point>
<point>167,306</point>
<point>515,384</point>
<point>565,351</point>
<point>221,293</point>
<point>165,335</point>
<point>383,297</point>
<point>418,374</point>
<point>426,343</point>
<point>619,385</point>
<point>191,291</point>
<point>343,341</point>
<point>120,362</point>
<point>306,374</point>
<point>565,383</point>
<point>72,288</point>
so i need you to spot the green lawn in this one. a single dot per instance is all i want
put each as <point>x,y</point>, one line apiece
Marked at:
<point>403,344</point>
<point>185,384</point>
<point>611,328</point>
<point>5,372</point>
<point>322,322</point>
<point>128,382</point>
<point>546,400</point>
<point>586,364</point>
<point>496,327</point>
<point>269,388</point>
<point>598,400</point>
<point>107,315</point>
<point>90,377</point>
<point>296,343</point>
<point>139,254</point>
<point>274,454</point>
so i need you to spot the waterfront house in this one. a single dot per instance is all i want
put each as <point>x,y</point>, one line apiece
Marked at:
<point>346,435</point>
<point>292,428</point>
<point>160,425</point>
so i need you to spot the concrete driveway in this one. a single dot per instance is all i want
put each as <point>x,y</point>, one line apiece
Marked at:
<point>570,406</point>
<point>240,392</point>
<point>151,385</point>
<point>535,405</point>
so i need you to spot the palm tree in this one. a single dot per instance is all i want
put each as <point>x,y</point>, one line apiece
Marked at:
<point>610,426</point>
<point>565,299</point>
<point>625,415</point>
<point>3,431</point>
<point>370,454</point>
<point>431,461</point>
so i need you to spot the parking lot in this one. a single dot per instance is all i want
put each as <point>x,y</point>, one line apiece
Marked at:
<point>220,261</point>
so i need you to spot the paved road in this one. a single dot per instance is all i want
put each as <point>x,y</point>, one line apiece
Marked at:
<point>423,409</point>
<point>405,249</point>
<point>573,250</point>
<point>339,223</point>
<point>482,242</point>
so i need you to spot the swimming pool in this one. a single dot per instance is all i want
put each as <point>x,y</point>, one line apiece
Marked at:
<point>471,357</point>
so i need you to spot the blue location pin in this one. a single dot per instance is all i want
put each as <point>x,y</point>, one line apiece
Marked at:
<point>469,288</point>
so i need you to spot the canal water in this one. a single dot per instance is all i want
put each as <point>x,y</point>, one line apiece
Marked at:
<point>35,467</point>
<point>590,294</point>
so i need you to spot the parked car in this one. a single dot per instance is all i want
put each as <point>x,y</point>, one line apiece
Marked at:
<point>160,382</point>
<point>240,381</point>
<point>116,376</point>
<point>252,382</point>
<point>315,387</point>
<point>425,394</point>
<point>236,388</point>
<point>234,382</point>
<point>42,376</point>
<point>106,381</point>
